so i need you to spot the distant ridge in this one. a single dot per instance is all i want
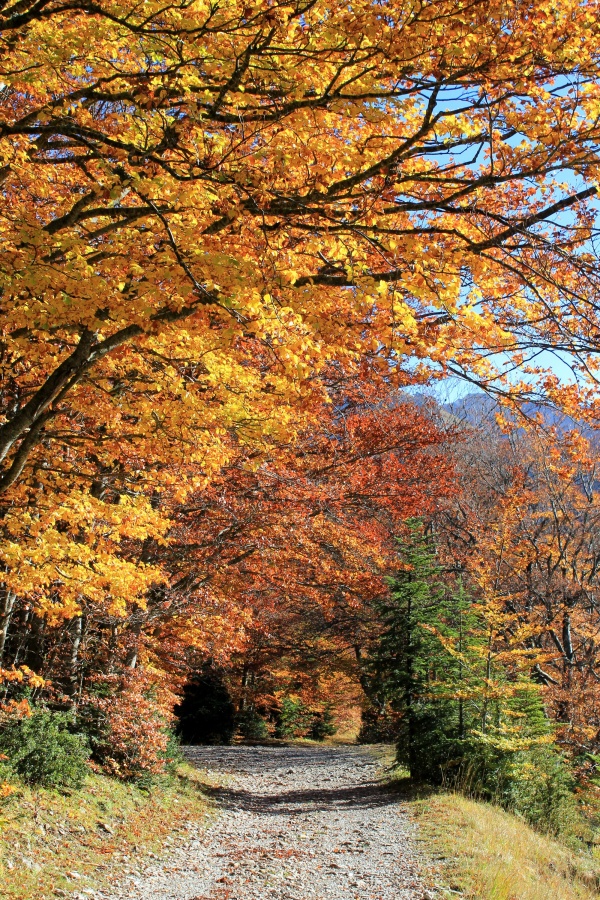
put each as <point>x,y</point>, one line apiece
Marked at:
<point>478,409</point>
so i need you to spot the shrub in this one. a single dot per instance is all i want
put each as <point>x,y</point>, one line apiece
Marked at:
<point>43,749</point>
<point>322,726</point>
<point>173,756</point>
<point>251,725</point>
<point>535,782</point>
<point>293,718</point>
<point>127,718</point>
<point>541,790</point>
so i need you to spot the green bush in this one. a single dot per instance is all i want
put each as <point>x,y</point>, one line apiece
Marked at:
<point>251,725</point>
<point>541,789</point>
<point>322,726</point>
<point>293,719</point>
<point>43,749</point>
<point>173,754</point>
<point>535,783</point>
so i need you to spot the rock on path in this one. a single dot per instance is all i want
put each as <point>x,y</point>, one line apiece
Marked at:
<point>295,823</point>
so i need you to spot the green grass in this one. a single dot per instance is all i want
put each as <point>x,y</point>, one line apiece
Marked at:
<point>54,843</point>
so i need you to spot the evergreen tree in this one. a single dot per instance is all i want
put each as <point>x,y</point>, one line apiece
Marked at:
<point>469,713</point>
<point>413,665</point>
<point>206,714</point>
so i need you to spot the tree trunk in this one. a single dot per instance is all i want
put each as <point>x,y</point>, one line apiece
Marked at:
<point>35,650</point>
<point>6,611</point>
<point>74,662</point>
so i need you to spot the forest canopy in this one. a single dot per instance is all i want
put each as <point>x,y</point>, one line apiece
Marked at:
<point>238,242</point>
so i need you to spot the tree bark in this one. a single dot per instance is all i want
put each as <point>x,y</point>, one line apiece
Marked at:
<point>74,662</point>
<point>8,605</point>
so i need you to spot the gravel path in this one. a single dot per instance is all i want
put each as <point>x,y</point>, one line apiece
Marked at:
<point>295,823</point>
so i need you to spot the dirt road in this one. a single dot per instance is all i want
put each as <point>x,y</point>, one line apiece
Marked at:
<point>292,823</point>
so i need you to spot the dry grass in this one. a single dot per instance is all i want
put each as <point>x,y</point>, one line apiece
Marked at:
<point>53,844</point>
<point>480,851</point>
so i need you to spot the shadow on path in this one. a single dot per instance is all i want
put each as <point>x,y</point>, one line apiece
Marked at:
<point>295,803</point>
<point>365,793</point>
<point>260,759</point>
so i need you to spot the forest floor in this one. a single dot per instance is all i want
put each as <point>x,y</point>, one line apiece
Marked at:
<point>296,823</point>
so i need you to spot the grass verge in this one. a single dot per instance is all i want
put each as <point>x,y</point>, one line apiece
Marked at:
<point>59,845</point>
<point>480,851</point>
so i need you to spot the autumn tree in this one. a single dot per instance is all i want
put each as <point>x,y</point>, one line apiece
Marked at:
<point>275,565</point>
<point>275,561</point>
<point>211,212</point>
<point>194,189</point>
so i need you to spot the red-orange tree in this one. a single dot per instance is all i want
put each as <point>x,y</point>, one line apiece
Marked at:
<point>304,541</point>
<point>280,556</point>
